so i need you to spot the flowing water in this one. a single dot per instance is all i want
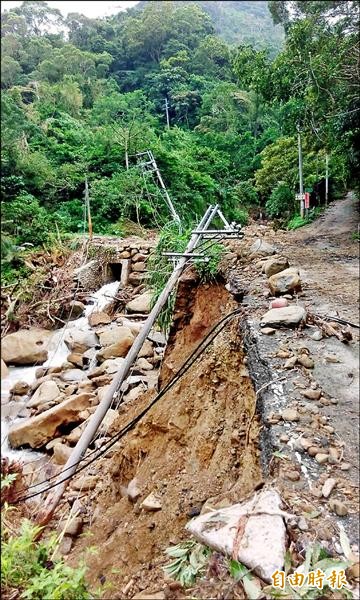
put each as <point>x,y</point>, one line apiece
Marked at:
<point>57,355</point>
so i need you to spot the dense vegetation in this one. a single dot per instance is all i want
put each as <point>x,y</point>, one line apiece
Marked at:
<point>80,94</point>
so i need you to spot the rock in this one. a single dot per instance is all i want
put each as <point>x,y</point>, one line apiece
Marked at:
<point>76,309</point>
<point>46,392</point>
<point>262,546</point>
<point>334,454</point>
<point>305,443</point>
<point>4,370</point>
<point>115,335</point>
<point>290,414</point>
<point>284,438</point>
<point>133,491</point>
<point>321,458</point>
<point>283,354</point>
<point>74,528</point>
<point>345,467</point>
<point>99,318</point>
<point>141,304</point>
<point>37,431</point>
<point>157,338</point>
<point>135,393</point>
<point>85,483</point>
<point>61,453</point>
<point>64,546</point>
<point>312,394</point>
<point>138,257</point>
<point>151,503</point>
<point>328,487</point>
<point>339,508</point>
<point>275,265</point>
<point>313,450</point>
<point>80,341</point>
<point>108,421</point>
<point>73,375</point>
<point>291,362</point>
<point>302,524</point>
<point>279,303</point>
<point>262,248</point>
<point>306,361</point>
<point>76,359</point>
<point>120,349</point>
<point>25,347</point>
<point>316,336</point>
<point>268,330</point>
<point>20,388</point>
<point>293,475</point>
<point>289,316</point>
<point>111,365</point>
<point>146,350</point>
<point>139,267</point>
<point>144,365</point>
<point>285,281</point>
<point>102,391</point>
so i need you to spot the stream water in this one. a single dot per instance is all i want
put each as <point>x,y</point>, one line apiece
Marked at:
<point>57,355</point>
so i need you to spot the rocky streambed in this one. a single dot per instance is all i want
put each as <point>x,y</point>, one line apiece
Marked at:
<point>53,381</point>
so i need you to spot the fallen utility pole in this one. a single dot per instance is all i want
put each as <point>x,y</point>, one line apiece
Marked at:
<point>96,419</point>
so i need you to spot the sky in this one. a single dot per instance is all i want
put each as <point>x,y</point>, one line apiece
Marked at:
<point>89,8</point>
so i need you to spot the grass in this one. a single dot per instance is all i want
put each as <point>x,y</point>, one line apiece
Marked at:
<point>298,221</point>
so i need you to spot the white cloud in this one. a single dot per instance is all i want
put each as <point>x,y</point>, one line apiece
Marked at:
<point>89,9</point>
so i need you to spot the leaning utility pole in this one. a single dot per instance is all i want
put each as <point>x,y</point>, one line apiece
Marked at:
<point>301,183</point>
<point>96,419</point>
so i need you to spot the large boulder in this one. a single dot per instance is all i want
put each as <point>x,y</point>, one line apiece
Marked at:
<point>120,349</point>
<point>99,318</point>
<point>275,265</point>
<point>79,341</point>
<point>262,248</point>
<point>38,431</point>
<point>46,392</point>
<point>114,335</point>
<point>285,282</point>
<point>289,316</point>
<point>4,370</point>
<point>141,304</point>
<point>25,347</point>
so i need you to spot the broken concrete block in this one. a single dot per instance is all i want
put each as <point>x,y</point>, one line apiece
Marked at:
<point>253,531</point>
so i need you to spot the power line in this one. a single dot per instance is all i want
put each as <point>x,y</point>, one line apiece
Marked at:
<point>209,338</point>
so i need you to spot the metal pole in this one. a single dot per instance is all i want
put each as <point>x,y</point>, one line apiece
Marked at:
<point>326,179</point>
<point>87,204</point>
<point>301,184</point>
<point>96,419</point>
<point>167,113</point>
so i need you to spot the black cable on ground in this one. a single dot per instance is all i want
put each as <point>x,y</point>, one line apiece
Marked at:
<point>183,369</point>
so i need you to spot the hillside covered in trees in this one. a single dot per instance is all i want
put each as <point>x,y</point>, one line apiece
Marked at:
<point>78,94</point>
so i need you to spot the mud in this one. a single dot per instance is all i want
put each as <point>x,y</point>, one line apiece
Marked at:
<point>198,444</point>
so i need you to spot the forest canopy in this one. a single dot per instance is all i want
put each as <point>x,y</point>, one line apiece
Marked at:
<point>81,96</point>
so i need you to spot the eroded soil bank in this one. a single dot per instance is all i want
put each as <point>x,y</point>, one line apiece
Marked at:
<point>197,445</point>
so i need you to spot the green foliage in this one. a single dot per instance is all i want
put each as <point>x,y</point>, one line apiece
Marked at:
<point>296,222</point>
<point>81,96</point>
<point>281,201</point>
<point>28,566</point>
<point>240,573</point>
<point>209,269</point>
<point>31,222</point>
<point>190,559</point>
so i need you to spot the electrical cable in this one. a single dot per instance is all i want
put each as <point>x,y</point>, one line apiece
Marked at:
<point>114,439</point>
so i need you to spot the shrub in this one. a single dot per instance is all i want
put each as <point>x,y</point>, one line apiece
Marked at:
<point>29,567</point>
<point>31,222</point>
<point>281,200</point>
